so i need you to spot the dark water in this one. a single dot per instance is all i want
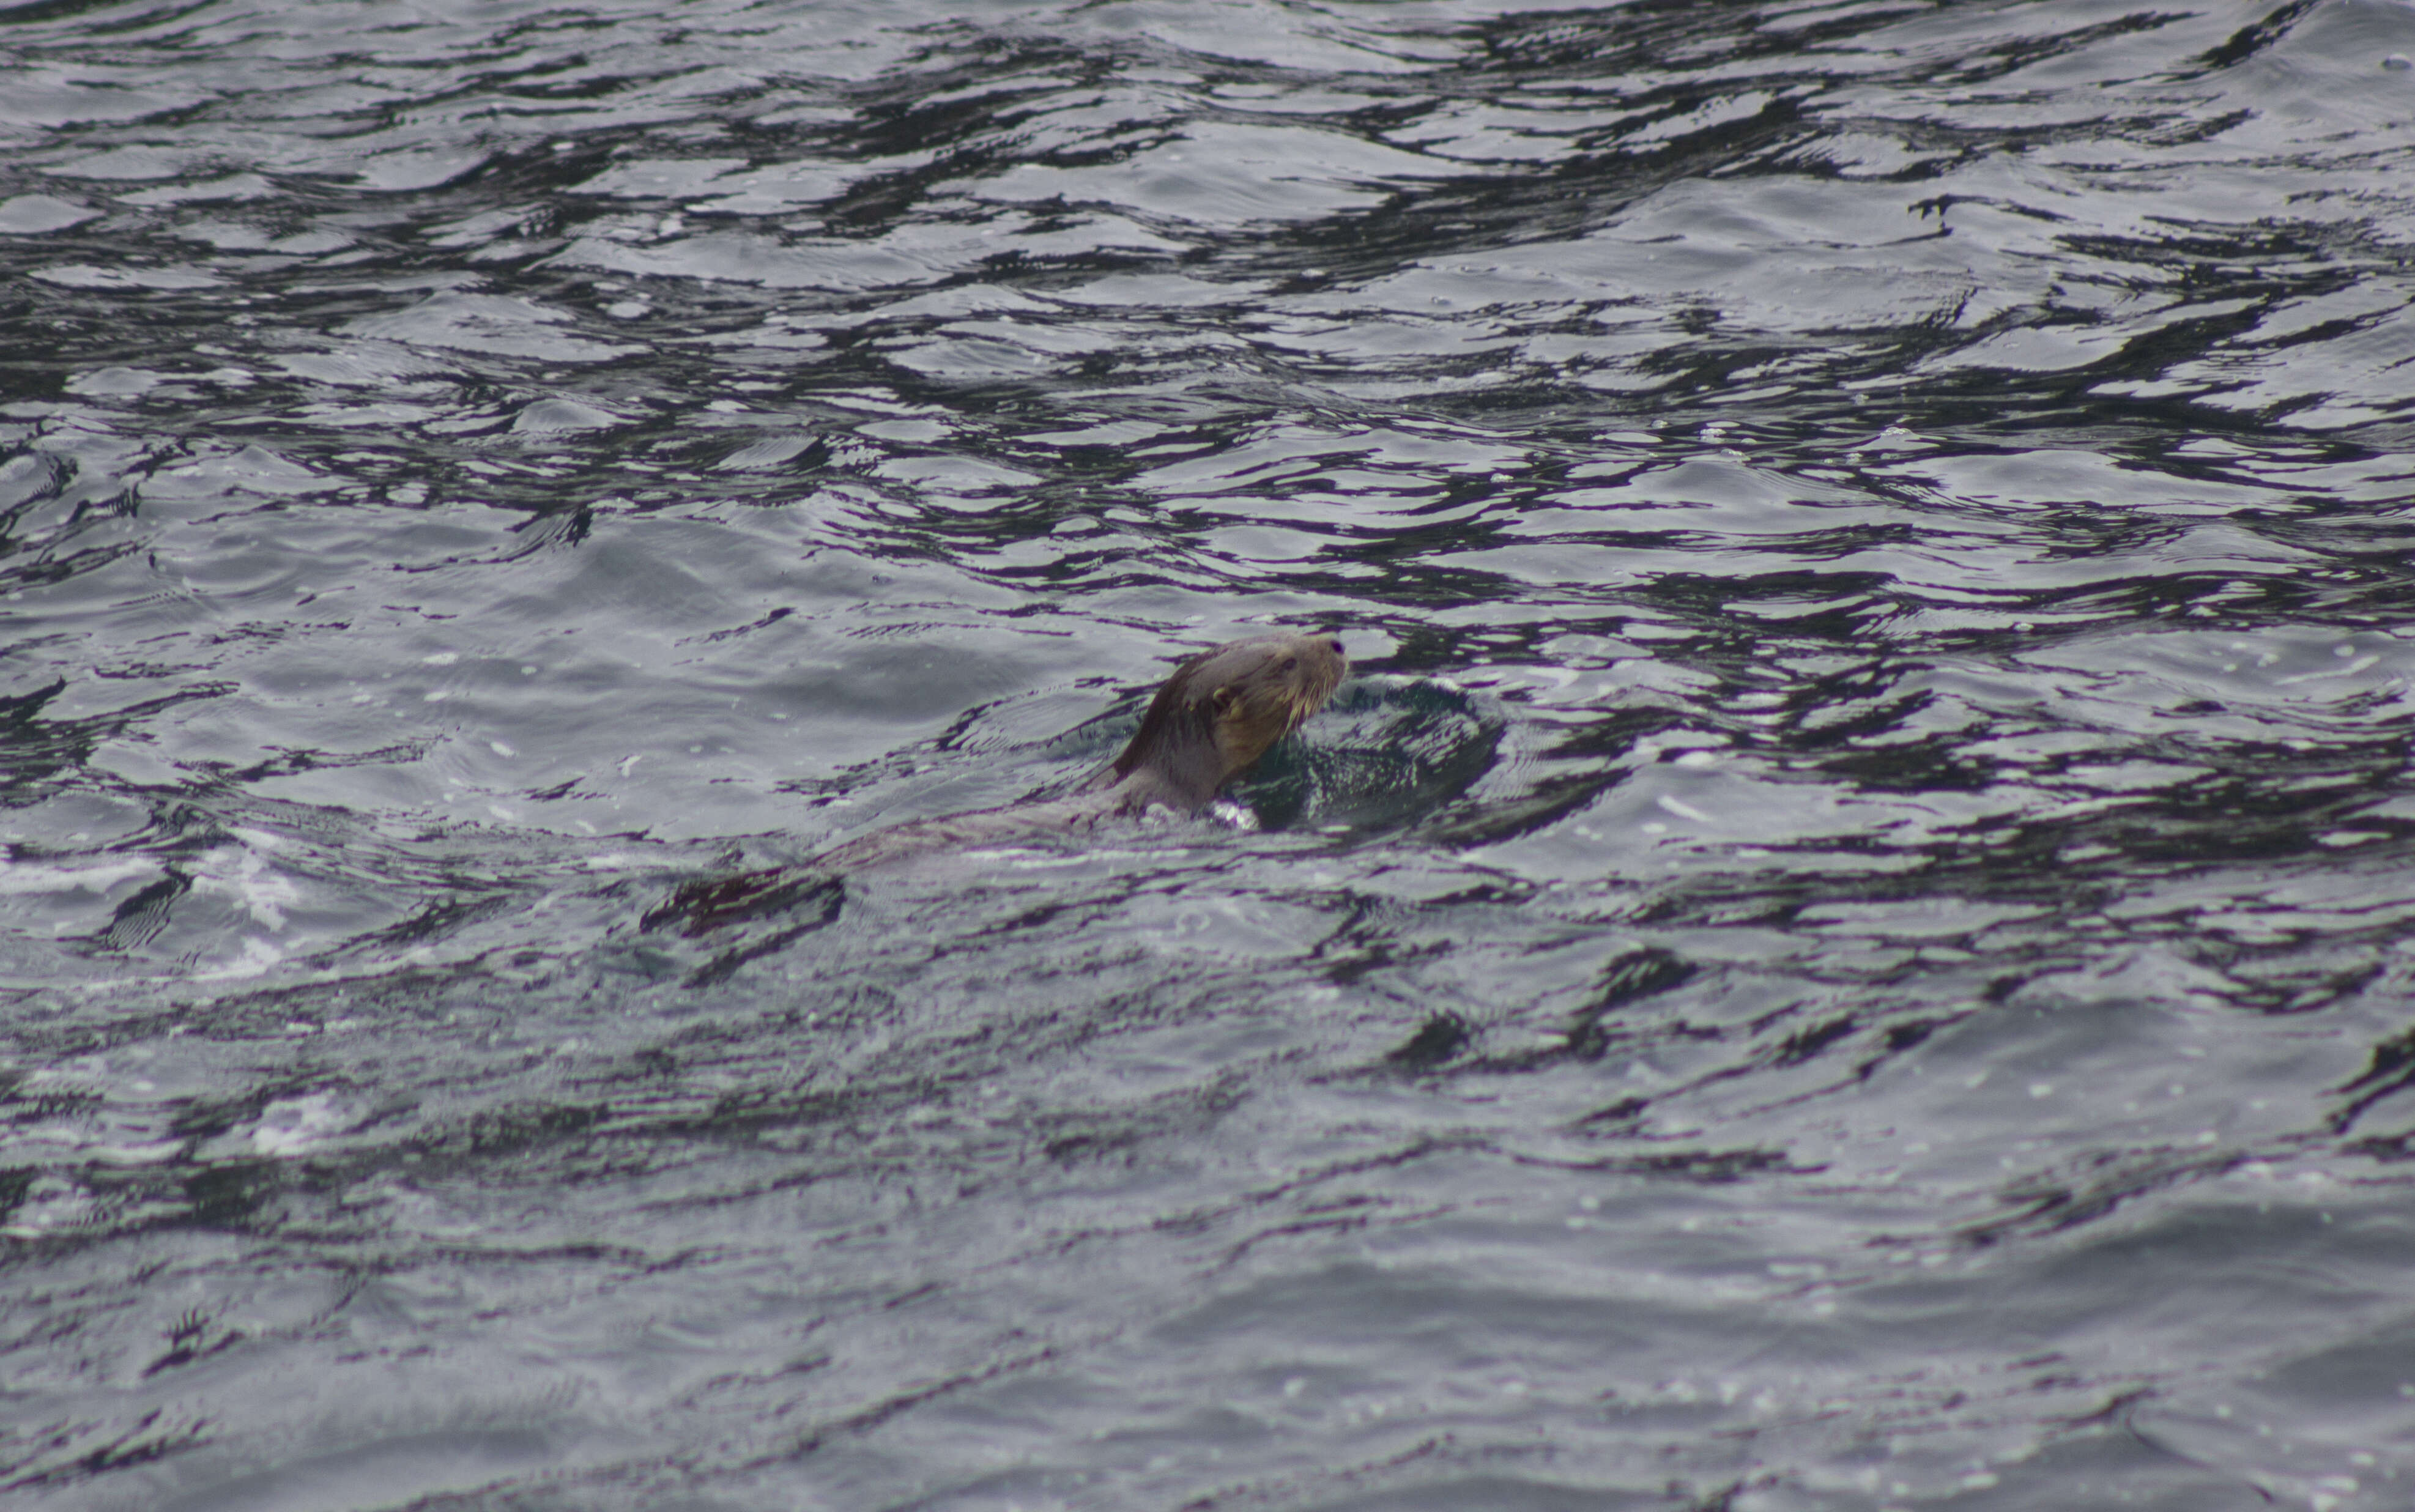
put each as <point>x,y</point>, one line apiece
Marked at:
<point>1848,947</point>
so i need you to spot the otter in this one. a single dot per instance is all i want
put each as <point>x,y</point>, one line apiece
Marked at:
<point>1218,712</point>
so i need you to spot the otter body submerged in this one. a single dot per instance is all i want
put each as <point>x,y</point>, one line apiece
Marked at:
<point>1211,720</point>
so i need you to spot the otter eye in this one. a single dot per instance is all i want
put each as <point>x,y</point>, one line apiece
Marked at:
<point>1289,662</point>
<point>1335,643</point>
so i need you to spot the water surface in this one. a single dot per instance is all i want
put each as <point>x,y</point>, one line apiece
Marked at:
<point>1847,946</point>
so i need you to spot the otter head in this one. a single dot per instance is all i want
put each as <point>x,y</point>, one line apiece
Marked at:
<point>1220,710</point>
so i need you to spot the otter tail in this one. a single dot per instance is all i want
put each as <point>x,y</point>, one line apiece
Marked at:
<point>709,904</point>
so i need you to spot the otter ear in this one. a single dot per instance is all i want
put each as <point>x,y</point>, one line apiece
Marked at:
<point>1224,699</point>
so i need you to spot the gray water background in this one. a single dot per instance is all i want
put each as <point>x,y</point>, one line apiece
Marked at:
<point>1848,945</point>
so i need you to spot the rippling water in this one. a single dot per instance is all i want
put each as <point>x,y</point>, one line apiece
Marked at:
<point>1849,944</point>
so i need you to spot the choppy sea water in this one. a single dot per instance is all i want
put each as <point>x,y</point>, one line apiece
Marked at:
<point>1849,944</point>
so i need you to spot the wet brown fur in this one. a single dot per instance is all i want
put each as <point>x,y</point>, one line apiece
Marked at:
<point>1218,712</point>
